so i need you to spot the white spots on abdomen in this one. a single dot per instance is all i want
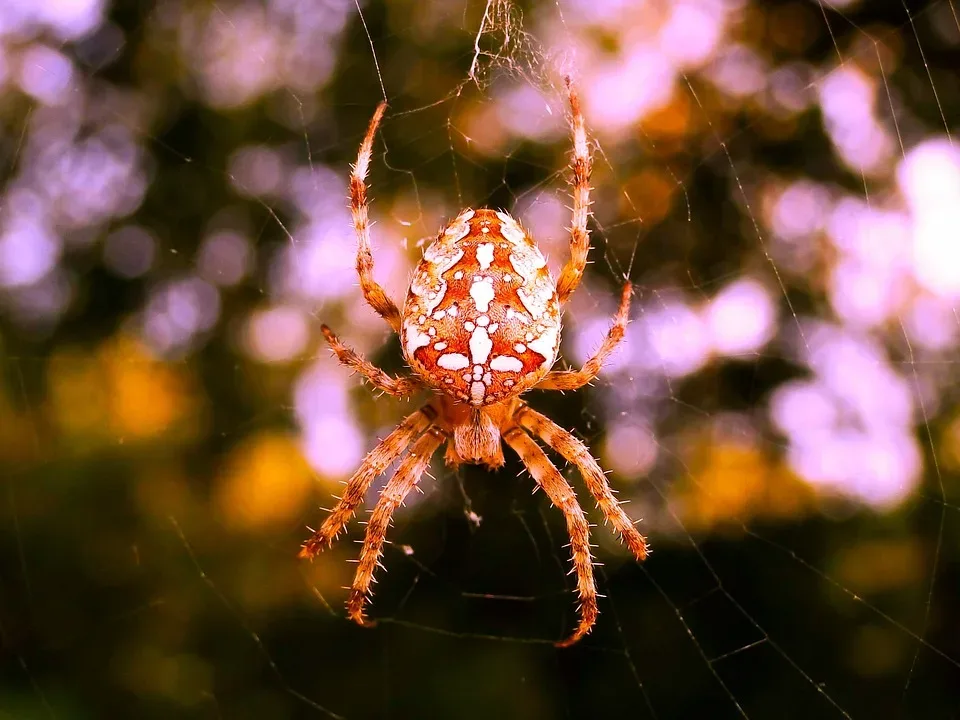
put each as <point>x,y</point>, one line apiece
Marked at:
<point>434,299</point>
<point>430,286</point>
<point>453,361</point>
<point>482,293</point>
<point>511,314</point>
<point>460,227</point>
<point>485,255</point>
<point>506,363</point>
<point>415,340</point>
<point>480,345</point>
<point>442,256</point>
<point>546,345</point>
<point>535,302</point>
<point>510,229</point>
<point>527,261</point>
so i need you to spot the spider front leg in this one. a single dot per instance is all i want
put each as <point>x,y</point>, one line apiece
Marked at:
<point>562,495</point>
<point>575,379</point>
<point>398,387</point>
<point>375,295</point>
<point>379,459</point>
<point>582,166</point>
<point>408,474</point>
<point>576,453</point>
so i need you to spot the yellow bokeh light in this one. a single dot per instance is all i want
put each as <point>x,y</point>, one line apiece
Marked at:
<point>146,396</point>
<point>118,392</point>
<point>879,565</point>
<point>648,195</point>
<point>264,481</point>
<point>76,392</point>
<point>731,483</point>
<point>949,450</point>
<point>673,121</point>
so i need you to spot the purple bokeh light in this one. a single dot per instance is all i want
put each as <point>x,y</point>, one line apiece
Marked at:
<point>45,74</point>
<point>224,258</point>
<point>622,91</point>
<point>851,425</point>
<point>177,312</point>
<point>65,19</point>
<point>332,442</point>
<point>738,71</point>
<point>929,177</point>
<point>630,450</point>
<point>692,32</point>
<point>277,334</point>
<point>848,101</point>
<point>669,337</point>
<point>29,249</point>
<point>129,251</point>
<point>740,318</point>
<point>256,170</point>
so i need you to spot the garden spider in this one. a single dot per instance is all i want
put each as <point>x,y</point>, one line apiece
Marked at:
<point>480,326</point>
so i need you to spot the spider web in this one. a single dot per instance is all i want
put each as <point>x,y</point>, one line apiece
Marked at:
<point>777,180</point>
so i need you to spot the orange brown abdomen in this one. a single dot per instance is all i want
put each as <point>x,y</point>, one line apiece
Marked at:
<point>481,321</point>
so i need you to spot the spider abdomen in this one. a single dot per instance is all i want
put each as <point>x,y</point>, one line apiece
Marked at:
<point>481,321</point>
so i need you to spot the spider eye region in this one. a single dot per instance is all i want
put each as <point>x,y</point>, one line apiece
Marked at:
<point>481,321</point>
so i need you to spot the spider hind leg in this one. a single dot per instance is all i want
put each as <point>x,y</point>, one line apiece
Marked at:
<point>408,474</point>
<point>562,495</point>
<point>576,453</point>
<point>374,465</point>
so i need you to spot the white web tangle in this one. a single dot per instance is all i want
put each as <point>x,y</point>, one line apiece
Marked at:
<point>852,278</point>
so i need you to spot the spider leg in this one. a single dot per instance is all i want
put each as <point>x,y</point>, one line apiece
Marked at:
<point>562,495</point>
<point>408,474</point>
<point>372,291</point>
<point>379,459</point>
<point>575,452</point>
<point>399,387</point>
<point>575,379</point>
<point>581,165</point>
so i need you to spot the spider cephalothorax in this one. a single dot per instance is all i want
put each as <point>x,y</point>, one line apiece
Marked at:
<point>480,326</point>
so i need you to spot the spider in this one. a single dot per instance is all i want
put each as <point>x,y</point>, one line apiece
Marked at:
<point>480,326</point>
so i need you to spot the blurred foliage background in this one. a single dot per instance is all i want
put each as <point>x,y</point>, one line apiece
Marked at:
<point>779,179</point>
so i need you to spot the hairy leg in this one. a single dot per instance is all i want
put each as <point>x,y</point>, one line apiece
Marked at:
<point>372,291</point>
<point>581,165</point>
<point>575,379</point>
<point>576,452</point>
<point>562,495</point>
<point>404,480</point>
<point>399,387</point>
<point>379,459</point>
